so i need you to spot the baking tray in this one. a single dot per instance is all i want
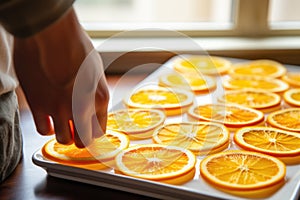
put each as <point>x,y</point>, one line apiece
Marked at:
<point>195,189</point>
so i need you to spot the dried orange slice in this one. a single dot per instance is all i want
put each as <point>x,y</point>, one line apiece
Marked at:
<point>257,99</point>
<point>202,64</point>
<point>196,83</point>
<point>292,97</point>
<point>231,115</point>
<point>172,101</point>
<point>292,78</point>
<point>269,84</point>
<point>201,138</point>
<point>262,68</point>
<point>286,119</point>
<point>98,155</point>
<point>157,162</point>
<point>284,145</point>
<point>136,123</point>
<point>244,173</point>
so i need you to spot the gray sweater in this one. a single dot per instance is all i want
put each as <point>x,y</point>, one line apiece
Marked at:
<point>23,18</point>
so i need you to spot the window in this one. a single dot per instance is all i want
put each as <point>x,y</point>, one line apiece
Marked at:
<point>154,10</point>
<point>284,11</point>
<point>192,17</point>
<point>284,14</point>
<point>111,16</point>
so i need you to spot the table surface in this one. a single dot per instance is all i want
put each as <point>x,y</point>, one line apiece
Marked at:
<point>32,182</point>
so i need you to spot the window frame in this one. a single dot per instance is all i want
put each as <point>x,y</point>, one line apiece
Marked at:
<point>244,24</point>
<point>245,38</point>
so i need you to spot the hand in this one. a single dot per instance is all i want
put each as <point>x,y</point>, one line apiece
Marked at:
<point>49,66</point>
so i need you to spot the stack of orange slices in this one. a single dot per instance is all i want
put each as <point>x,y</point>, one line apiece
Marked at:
<point>136,123</point>
<point>292,78</point>
<point>244,173</point>
<point>98,155</point>
<point>284,145</point>
<point>167,164</point>
<point>268,84</point>
<point>201,138</point>
<point>171,100</point>
<point>202,64</point>
<point>231,115</point>
<point>286,119</point>
<point>261,68</point>
<point>257,99</point>
<point>292,97</point>
<point>195,83</point>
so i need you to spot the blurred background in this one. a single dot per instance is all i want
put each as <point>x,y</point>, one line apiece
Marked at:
<point>249,29</point>
<point>177,11</point>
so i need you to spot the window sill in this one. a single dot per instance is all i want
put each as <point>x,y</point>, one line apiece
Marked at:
<point>122,54</point>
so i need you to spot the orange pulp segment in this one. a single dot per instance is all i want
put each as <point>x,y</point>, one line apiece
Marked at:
<point>292,78</point>
<point>136,123</point>
<point>261,68</point>
<point>202,64</point>
<point>257,99</point>
<point>102,150</point>
<point>231,115</point>
<point>268,84</point>
<point>284,145</point>
<point>292,97</point>
<point>286,119</point>
<point>172,101</point>
<point>197,84</point>
<point>200,138</point>
<point>155,162</point>
<point>244,173</point>
<point>179,180</point>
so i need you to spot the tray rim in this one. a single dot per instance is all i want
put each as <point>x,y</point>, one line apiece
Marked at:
<point>115,181</point>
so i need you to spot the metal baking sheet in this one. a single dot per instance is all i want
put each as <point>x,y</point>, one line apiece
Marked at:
<point>195,189</point>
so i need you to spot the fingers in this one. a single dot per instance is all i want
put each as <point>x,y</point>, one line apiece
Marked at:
<point>101,104</point>
<point>83,131</point>
<point>86,126</point>
<point>99,124</point>
<point>62,129</point>
<point>43,123</point>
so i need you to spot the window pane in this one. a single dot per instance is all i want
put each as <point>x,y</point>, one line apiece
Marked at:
<point>284,10</point>
<point>154,10</point>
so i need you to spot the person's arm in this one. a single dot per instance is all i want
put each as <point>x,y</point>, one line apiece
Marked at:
<point>47,64</point>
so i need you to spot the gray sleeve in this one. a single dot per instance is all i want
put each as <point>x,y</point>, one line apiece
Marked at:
<point>23,18</point>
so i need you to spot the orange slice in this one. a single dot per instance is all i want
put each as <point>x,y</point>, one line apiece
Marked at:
<point>292,97</point>
<point>244,173</point>
<point>292,78</point>
<point>200,138</point>
<point>201,64</point>
<point>260,100</point>
<point>261,68</point>
<point>271,85</point>
<point>172,101</point>
<point>157,162</point>
<point>198,84</point>
<point>231,115</point>
<point>96,156</point>
<point>284,145</point>
<point>136,123</point>
<point>286,119</point>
